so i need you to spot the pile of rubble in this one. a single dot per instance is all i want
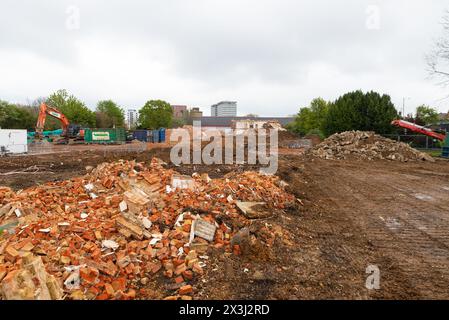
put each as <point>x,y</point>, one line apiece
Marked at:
<point>115,232</point>
<point>363,145</point>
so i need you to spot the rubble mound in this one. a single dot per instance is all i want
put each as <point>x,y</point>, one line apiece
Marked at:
<point>364,145</point>
<point>127,230</point>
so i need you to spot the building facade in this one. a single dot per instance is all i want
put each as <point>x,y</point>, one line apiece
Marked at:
<point>224,109</point>
<point>196,113</point>
<point>179,111</point>
<point>131,118</point>
<point>243,122</point>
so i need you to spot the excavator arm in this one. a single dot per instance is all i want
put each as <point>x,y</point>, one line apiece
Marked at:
<point>419,129</point>
<point>45,110</point>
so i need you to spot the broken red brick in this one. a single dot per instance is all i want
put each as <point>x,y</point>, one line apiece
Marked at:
<point>188,275</point>
<point>185,289</point>
<point>179,279</point>
<point>119,284</point>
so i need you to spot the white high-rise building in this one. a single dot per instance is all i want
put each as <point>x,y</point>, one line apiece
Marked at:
<point>224,109</point>
<point>131,118</point>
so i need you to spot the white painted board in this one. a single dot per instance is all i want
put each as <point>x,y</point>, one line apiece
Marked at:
<point>14,140</point>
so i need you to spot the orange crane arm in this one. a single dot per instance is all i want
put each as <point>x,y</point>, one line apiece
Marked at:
<point>45,110</point>
<point>419,129</point>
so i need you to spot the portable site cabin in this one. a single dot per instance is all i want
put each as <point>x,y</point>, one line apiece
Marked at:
<point>13,141</point>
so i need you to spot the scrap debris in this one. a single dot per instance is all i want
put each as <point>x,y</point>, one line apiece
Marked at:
<point>366,146</point>
<point>144,223</point>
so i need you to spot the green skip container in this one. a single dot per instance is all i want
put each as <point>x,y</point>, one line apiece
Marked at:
<point>105,136</point>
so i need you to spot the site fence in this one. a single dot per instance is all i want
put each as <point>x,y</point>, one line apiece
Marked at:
<point>416,141</point>
<point>41,149</point>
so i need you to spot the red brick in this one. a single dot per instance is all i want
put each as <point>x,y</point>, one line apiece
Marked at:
<point>188,275</point>
<point>185,289</point>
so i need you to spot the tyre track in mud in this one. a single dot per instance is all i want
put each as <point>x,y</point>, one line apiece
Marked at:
<point>404,215</point>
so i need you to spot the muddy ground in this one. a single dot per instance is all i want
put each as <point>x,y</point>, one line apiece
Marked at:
<point>391,215</point>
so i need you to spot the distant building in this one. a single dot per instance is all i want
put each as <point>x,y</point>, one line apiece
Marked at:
<point>242,122</point>
<point>179,111</point>
<point>256,123</point>
<point>224,109</point>
<point>196,113</point>
<point>131,118</point>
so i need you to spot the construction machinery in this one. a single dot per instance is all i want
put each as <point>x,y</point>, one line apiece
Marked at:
<point>436,134</point>
<point>69,130</point>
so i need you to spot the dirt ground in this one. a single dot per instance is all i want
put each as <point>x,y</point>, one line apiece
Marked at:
<point>355,214</point>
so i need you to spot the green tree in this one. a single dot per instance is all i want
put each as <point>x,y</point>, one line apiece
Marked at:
<point>16,117</point>
<point>109,114</point>
<point>361,111</point>
<point>426,115</point>
<point>178,122</point>
<point>311,118</point>
<point>156,114</point>
<point>74,109</point>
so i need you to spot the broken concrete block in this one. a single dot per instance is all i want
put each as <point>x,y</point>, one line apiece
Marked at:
<point>18,285</point>
<point>137,200</point>
<point>31,282</point>
<point>123,206</point>
<point>182,182</point>
<point>133,228</point>
<point>254,210</point>
<point>18,212</point>
<point>146,223</point>
<point>109,244</point>
<point>73,281</point>
<point>56,292</point>
<point>204,229</point>
<point>10,250</point>
<point>89,169</point>
<point>6,209</point>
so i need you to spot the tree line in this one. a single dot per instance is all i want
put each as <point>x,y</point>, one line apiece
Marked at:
<point>108,114</point>
<point>356,110</point>
<point>353,111</point>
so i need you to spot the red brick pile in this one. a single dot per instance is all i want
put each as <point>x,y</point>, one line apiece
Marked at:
<point>109,234</point>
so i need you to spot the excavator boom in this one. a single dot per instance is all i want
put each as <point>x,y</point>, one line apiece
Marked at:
<point>45,110</point>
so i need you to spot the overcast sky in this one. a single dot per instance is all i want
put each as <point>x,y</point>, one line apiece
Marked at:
<point>271,56</point>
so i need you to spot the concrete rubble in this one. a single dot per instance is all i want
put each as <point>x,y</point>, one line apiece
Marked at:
<point>361,145</point>
<point>145,224</point>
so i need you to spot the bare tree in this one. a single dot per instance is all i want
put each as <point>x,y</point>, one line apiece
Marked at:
<point>438,59</point>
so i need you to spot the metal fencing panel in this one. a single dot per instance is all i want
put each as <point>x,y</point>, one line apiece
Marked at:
<point>416,141</point>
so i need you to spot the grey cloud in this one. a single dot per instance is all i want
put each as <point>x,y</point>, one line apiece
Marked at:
<point>223,46</point>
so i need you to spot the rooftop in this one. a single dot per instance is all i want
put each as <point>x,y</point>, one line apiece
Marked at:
<point>227,121</point>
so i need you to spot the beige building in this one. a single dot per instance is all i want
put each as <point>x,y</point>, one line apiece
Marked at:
<point>196,113</point>
<point>246,124</point>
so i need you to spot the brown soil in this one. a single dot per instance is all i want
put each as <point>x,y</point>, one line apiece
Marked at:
<point>64,165</point>
<point>355,214</point>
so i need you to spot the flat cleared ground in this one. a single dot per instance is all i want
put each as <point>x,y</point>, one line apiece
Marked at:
<point>393,215</point>
<point>355,214</point>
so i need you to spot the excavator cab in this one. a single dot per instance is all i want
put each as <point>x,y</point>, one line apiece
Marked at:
<point>73,130</point>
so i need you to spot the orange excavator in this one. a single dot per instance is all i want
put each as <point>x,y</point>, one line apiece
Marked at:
<point>69,131</point>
